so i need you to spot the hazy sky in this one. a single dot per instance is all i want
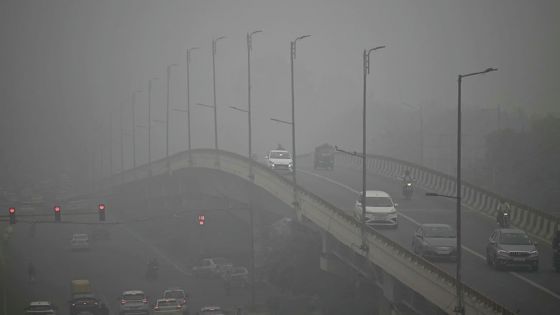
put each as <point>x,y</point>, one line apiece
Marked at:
<point>67,65</point>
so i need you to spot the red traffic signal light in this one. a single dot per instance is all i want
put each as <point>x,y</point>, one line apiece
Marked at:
<point>201,219</point>
<point>57,213</point>
<point>101,208</point>
<point>12,212</point>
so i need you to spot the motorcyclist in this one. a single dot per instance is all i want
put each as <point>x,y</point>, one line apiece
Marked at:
<point>407,178</point>
<point>503,208</point>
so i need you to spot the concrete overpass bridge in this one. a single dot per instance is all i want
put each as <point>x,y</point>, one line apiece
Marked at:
<point>404,279</point>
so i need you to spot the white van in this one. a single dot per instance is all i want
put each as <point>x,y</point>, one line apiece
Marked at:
<point>380,209</point>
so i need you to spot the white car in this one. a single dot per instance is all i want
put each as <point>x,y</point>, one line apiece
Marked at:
<point>280,160</point>
<point>380,209</point>
<point>40,308</point>
<point>211,310</point>
<point>237,276</point>
<point>134,302</point>
<point>167,307</point>
<point>177,294</point>
<point>210,266</point>
<point>79,241</point>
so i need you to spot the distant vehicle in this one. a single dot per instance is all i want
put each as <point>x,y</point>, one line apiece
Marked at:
<point>237,276</point>
<point>79,241</point>
<point>134,302</point>
<point>211,310</point>
<point>380,209</point>
<point>210,267</point>
<point>324,157</point>
<point>179,295</point>
<point>80,288</point>
<point>435,241</point>
<point>167,307</point>
<point>41,308</point>
<point>86,305</point>
<point>511,247</point>
<point>279,160</point>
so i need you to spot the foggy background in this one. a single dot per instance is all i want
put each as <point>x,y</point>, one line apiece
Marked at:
<point>67,66</point>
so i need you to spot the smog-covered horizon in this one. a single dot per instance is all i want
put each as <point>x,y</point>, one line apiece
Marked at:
<point>69,66</point>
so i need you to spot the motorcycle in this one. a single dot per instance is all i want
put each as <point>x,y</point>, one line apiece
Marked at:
<point>407,190</point>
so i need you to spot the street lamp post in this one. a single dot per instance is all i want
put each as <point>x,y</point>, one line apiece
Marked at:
<point>250,154</point>
<point>214,41</point>
<point>121,141</point>
<point>134,127</point>
<point>167,115</point>
<point>150,125</point>
<point>292,57</point>
<point>366,72</point>
<point>189,103</point>
<point>460,309</point>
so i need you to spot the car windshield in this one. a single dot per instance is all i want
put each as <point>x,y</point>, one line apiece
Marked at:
<point>174,294</point>
<point>514,239</point>
<point>439,232</point>
<point>279,155</point>
<point>378,202</point>
<point>133,297</point>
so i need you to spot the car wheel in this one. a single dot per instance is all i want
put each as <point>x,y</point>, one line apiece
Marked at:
<point>488,260</point>
<point>496,264</point>
<point>414,248</point>
<point>535,267</point>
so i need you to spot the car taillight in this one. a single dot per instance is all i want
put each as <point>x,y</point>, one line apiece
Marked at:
<point>156,308</point>
<point>179,306</point>
<point>145,301</point>
<point>184,301</point>
<point>123,302</point>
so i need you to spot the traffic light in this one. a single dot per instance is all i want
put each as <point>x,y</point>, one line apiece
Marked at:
<point>101,208</point>
<point>12,212</point>
<point>201,219</point>
<point>57,214</point>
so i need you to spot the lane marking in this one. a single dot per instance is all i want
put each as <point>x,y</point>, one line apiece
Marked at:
<point>471,251</point>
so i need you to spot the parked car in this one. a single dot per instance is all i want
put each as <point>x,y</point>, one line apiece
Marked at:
<point>380,209</point>
<point>435,241</point>
<point>167,307</point>
<point>134,302</point>
<point>79,241</point>
<point>40,308</point>
<point>509,247</point>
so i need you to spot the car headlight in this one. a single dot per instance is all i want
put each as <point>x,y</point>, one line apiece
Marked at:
<point>534,253</point>
<point>502,252</point>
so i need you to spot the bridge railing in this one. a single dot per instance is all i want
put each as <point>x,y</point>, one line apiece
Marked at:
<point>530,219</point>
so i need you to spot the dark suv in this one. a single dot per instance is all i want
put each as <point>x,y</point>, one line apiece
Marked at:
<point>510,248</point>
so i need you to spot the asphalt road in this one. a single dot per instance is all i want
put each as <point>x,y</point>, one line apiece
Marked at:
<point>528,292</point>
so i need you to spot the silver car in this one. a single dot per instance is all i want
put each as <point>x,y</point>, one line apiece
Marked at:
<point>510,248</point>
<point>435,241</point>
